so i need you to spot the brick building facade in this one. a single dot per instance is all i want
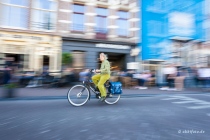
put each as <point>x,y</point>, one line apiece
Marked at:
<point>33,32</point>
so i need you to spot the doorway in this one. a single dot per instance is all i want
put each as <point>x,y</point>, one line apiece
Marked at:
<point>117,61</point>
<point>46,62</point>
<point>14,60</point>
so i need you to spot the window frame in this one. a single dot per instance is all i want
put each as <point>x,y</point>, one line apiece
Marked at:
<point>16,6</point>
<point>33,6</point>
<point>104,29</point>
<point>54,11</point>
<point>122,19</point>
<point>72,27</point>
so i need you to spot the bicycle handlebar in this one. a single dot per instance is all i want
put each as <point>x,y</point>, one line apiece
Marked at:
<point>92,70</point>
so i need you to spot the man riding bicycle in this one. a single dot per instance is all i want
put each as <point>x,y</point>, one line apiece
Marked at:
<point>100,79</point>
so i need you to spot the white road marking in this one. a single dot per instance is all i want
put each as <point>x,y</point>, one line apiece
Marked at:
<point>204,103</point>
<point>4,123</point>
<point>10,118</point>
<point>13,127</point>
<point>184,100</point>
<point>199,107</point>
<point>84,130</point>
<point>170,99</point>
<point>63,120</point>
<point>188,98</point>
<point>87,118</point>
<point>45,131</point>
<point>31,121</point>
<point>178,97</point>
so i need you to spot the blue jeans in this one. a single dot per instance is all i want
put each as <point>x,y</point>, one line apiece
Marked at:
<point>206,83</point>
<point>141,82</point>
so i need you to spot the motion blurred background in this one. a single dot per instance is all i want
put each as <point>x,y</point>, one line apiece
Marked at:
<point>54,42</point>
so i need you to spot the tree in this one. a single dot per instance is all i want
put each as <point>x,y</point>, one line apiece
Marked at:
<point>66,58</point>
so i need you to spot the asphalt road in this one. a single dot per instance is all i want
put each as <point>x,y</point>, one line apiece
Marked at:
<point>164,117</point>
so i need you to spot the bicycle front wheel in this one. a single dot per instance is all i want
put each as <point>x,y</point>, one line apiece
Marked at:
<point>78,95</point>
<point>112,98</point>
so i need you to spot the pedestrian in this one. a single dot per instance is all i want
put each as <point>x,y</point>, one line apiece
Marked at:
<point>204,75</point>
<point>170,73</point>
<point>179,80</point>
<point>6,76</point>
<point>83,75</point>
<point>142,79</point>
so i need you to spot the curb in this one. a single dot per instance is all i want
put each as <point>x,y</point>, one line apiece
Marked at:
<point>63,97</point>
<point>93,97</point>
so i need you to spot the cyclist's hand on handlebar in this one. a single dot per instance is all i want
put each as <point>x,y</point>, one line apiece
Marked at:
<point>97,71</point>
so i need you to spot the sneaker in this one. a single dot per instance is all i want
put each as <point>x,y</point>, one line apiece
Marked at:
<point>97,96</point>
<point>103,98</point>
<point>109,95</point>
<point>143,88</point>
<point>172,89</point>
<point>164,88</point>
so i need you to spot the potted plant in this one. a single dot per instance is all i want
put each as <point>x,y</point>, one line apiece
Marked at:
<point>10,89</point>
<point>66,59</point>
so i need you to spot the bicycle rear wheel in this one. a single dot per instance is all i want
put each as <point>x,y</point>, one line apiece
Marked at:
<point>112,98</point>
<point>78,95</point>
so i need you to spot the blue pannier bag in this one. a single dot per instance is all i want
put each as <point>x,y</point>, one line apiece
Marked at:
<point>115,88</point>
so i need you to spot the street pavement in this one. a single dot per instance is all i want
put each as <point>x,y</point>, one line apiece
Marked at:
<point>164,117</point>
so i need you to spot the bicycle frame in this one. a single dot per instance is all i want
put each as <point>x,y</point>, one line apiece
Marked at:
<point>87,84</point>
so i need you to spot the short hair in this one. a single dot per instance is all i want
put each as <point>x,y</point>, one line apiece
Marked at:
<point>104,55</point>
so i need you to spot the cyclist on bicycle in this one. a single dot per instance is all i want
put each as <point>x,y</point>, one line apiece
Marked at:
<point>100,79</point>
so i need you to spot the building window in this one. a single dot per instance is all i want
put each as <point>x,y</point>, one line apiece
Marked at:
<point>14,13</point>
<point>162,5</point>
<point>156,28</point>
<point>101,20</point>
<point>44,15</point>
<point>78,17</point>
<point>122,23</point>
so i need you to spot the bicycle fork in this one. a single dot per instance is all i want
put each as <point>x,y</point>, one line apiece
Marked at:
<point>80,93</point>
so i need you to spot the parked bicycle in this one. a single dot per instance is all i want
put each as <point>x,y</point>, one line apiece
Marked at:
<point>78,95</point>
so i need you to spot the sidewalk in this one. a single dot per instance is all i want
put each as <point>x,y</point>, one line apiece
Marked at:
<point>62,92</point>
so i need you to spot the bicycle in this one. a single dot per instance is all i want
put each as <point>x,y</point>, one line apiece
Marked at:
<point>78,95</point>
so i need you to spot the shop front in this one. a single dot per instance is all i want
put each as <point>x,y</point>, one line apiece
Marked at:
<point>86,53</point>
<point>30,52</point>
